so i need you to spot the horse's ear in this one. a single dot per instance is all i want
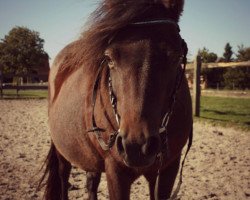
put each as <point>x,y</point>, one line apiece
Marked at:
<point>176,6</point>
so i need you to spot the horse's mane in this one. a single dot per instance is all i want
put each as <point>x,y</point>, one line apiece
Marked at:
<point>110,17</point>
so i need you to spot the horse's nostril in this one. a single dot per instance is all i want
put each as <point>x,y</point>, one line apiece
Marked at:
<point>119,144</point>
<point>151,147</point>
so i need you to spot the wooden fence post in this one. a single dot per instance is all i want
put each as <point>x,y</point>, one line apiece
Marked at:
<point>196,86</point>
<point>1,84</point>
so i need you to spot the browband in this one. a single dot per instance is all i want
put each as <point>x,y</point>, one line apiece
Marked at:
<point>160,21</point>
<point>156,22</point>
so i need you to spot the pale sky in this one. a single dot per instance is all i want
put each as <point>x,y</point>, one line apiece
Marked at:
<point>205,23</point>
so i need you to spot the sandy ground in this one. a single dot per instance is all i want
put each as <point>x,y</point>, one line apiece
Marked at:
<point>218,166</point>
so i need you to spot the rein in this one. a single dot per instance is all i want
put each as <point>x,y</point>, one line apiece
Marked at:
<point>163,128</point>
<point>163,132</point>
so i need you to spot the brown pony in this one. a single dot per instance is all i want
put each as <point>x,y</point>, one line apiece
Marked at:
<point>119,102</point>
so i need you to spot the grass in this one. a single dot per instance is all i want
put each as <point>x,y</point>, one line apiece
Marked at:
<point>226,111</point>
<point>25,94</point>
<point>223,111</point>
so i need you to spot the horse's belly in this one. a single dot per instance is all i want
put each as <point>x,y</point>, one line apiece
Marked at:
<point>68,130</point>
<point>78,153</point>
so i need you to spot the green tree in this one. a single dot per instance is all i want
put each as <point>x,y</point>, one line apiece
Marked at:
<point>21,51</point>
<point>227,55</point>
<point>207,57</point>
<point>243,53</point>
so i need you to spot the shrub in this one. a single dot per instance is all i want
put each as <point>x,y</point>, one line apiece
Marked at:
<point>237,78</point>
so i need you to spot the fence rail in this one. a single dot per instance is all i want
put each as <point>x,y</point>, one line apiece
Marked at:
<point>221,64</point>
<point>17,82</point>
<point>4,87</point>
<point>24,87</point>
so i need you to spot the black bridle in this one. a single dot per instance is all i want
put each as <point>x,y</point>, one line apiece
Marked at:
<point>163,128</point>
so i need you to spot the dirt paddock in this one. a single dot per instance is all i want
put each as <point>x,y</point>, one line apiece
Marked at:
<point>218,166</point>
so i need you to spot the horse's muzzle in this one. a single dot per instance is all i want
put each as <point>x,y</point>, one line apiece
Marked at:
<point>138,154</point>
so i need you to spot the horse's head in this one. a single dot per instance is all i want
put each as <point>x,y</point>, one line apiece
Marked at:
<point>145,62</point>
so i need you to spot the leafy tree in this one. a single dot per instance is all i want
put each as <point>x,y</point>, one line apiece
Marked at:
<point>227,55</point>
<point>21,51</point>
<point>212,57</point>
<point>207,57</point>
<point>243,53</point>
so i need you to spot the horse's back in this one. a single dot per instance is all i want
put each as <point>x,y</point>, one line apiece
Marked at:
<point>59,69</point>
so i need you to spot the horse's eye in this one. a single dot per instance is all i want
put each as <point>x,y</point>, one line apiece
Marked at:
<point>110,62</point>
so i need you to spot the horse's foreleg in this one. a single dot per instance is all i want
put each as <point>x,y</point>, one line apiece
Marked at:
<point>166,181</point>
<point>151,178</point>
<point>119,181</point>
<point>64,173</point>
<point>92,183</point>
